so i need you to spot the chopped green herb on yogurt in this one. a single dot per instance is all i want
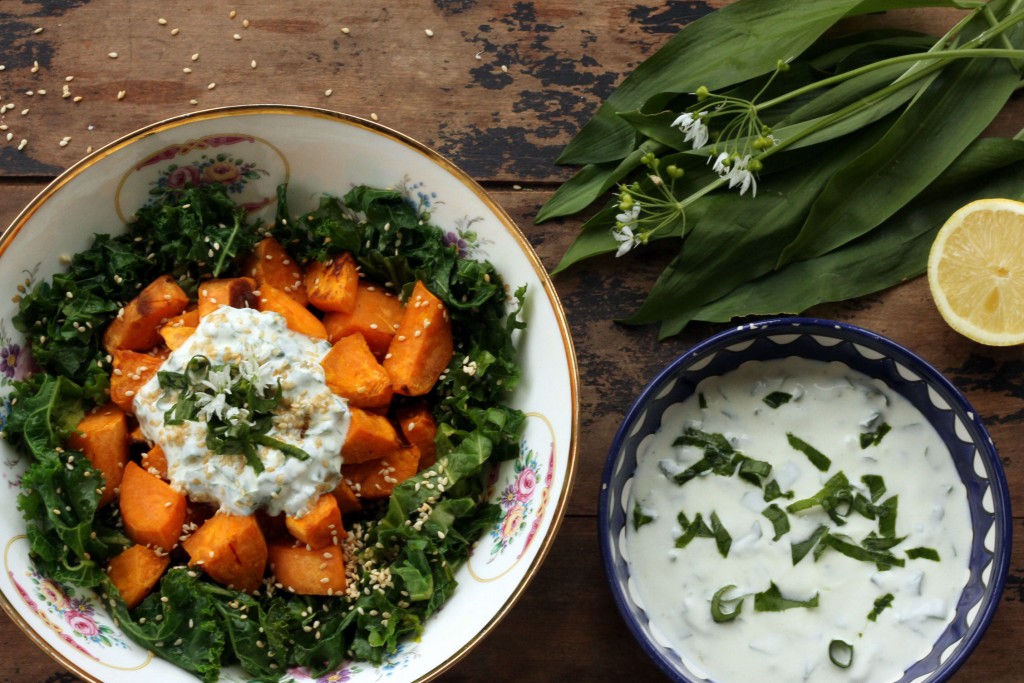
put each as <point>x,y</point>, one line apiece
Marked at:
<point>873,438</point>
<point>237,401</point>
<point>881,604</point>
<point>777,398</point>
<point>840,653</point>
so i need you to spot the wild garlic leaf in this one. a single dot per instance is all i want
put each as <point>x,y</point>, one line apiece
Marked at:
<point>924,141</point>
<point>991,167</point>
<point>728,46</point>
<point>772,600</point>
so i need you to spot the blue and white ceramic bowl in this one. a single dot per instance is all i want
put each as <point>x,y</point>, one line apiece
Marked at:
<point>956,422</point>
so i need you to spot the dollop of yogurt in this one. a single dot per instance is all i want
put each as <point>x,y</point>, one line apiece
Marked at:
<point>310,416</point>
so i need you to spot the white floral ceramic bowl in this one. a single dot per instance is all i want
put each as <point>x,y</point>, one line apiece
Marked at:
<point>975,461</point>
<point>251,149</point>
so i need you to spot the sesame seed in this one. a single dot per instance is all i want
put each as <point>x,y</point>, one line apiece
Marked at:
<point>245,23</point>
<point>120,94</point>
<point>374,117</point>
<point>161,21</point>
<point>327,93</point>
<point>186,70</point>
<point>193,101</point>
<point>112,55</point>
<point>237,36</point>
<point>253,63</point>
<point>175,31</point>
<point>232,14</point>
<point>211,86</point>
<point>430,34</point>
<point>38,30</point>
<point>195,56</point>
<point>24,111</point>
<point>21,145</point>
<point>35,67</point>
<point>77,99</point>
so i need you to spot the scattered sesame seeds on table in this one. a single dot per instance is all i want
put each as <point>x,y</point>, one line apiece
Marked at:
<point>498,86</point>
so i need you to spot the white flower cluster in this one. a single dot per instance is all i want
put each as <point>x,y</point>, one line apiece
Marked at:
<point>220,383</point>
<point>736,169</point>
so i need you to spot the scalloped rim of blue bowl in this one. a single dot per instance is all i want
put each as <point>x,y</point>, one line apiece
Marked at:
<point>869,353</point>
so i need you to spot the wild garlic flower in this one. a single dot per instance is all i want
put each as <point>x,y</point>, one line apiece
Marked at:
<point>219,380</point>
<point>694,127</point>
<point>261,376</point>
<point>721,166</point>
<point>741,172</point>
<point>626,239</point>
<point>626,228</point>
<point>211,405</point>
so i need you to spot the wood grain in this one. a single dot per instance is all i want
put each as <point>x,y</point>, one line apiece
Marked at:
<point>505,126</point>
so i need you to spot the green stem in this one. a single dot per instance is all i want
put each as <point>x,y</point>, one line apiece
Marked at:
<point>998,28</point>
<point>945,55</point>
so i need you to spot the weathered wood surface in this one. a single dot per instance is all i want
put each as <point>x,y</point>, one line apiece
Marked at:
<point>505,127</point>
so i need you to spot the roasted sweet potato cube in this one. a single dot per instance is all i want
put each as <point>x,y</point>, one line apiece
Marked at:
<point>346,497</point>
<point>422,347</point>
<point>154,461</point>
<point>270,264</point>
<point>321,526</point>
<point>352,372</point>
<point>152,511</point>
<point>131,370</point>
<point>378,478</point>
<point>135,571</point>
<point>331,286</point>
<point>179,328</point>
<point>174,337</point>
<point>308,572</point>
<point>137,325</point>
<point>376,315</point>
<point>419,428</point>
<point>231,549</point>
<point>102,436</point>
<point>237,292</point>
<point>370,436</point>
<point>299,318</point>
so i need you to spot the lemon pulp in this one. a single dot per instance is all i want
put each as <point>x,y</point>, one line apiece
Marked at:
<point>976,271</point>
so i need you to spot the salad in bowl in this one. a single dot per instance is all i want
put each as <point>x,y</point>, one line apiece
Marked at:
<point>272,422</point>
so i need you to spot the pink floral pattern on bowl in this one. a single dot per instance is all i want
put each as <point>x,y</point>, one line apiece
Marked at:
<point>391,665</point>
<point>231,172</point>
<point>247,166</point>
<point>75,619</point>
<point>517,503</point>
<point>522,489</point>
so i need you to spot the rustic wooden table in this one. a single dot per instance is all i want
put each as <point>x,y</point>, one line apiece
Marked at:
<point>498,87</point>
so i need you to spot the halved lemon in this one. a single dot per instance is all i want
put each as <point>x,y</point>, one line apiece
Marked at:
<point>976,271</point>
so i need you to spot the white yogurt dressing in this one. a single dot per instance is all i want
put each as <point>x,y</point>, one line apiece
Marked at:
<point>310,416</point>
<point>831,406</point>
